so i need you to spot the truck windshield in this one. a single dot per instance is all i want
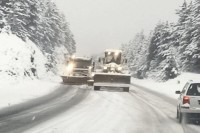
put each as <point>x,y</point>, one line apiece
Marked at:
<point>112,58</point>
<point>194,90</point>
<point>80,63</point>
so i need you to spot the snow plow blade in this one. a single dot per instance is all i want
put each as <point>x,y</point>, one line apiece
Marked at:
<point>75,80</point>
<point>112,80</point>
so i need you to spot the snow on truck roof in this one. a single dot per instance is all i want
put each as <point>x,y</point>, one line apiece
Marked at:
<point>113,50</point>
<point>82,58</point>
<point>119,74</point>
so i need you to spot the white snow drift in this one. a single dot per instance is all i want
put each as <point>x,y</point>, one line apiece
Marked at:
<point>17,81</point>
<point>168,88</point>
<point>15,57</point>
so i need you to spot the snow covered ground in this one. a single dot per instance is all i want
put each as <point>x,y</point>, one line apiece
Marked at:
<point>168,88</point>
<point>18,61</point>
<point>21,91</point>
<point>18,84</point>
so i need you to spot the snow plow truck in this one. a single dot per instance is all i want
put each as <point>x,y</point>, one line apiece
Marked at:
<point>111,72</point>
<point>78,70</point>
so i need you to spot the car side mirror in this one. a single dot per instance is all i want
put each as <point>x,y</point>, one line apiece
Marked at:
<point>178,92</point>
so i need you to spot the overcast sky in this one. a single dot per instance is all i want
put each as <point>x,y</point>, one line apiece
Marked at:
<point>101,24</point>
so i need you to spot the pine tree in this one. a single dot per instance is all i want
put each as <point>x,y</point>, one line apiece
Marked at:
<point>191,53</point>
<point>5,10</point>
<point>39,21</point>
<point>161,52</point>
<point>136,52</point>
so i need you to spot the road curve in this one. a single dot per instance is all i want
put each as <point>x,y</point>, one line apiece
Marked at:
<point>22,117</point>
<point>167,105</point>
<point>114,111</point>
<point>82,110</point>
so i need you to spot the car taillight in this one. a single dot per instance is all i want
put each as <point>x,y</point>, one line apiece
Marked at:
<point>186,99</point>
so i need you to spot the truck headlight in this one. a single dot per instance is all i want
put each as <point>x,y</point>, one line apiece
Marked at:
<point>105,67</point>
<point>92,74</point>
<point>70,67</point>
<point>90,67</point>
<point>116,53</point>
<point>119,68</point>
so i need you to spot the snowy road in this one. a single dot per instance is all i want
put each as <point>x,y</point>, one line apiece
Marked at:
<point>21,117</point>
<point>82,110</point>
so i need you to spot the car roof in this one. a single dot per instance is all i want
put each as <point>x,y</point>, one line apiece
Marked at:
<point>194,81</point>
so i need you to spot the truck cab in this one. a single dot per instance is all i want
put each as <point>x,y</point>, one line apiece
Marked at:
<point>111,72</point>
<point>112,61</point>
<point>78,70</point>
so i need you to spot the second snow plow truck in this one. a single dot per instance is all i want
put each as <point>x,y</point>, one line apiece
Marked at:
<point>111,73</point>
<point>78,70</point>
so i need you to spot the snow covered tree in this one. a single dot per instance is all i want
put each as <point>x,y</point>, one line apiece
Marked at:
<point>39,21</point>
<point>192,50</point>
<point>161,50</point>
<point>18,19</point>
<point>171,47</point>
<point>184,25</point>
<point>158,44</point>
<point>5,10</point>
<point>136,52</point>
<point>187,31</point>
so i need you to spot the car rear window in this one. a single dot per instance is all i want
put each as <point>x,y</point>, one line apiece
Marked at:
<point>194,89</point>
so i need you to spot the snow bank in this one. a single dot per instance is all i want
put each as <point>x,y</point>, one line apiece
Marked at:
<point>60,53</point>
<point>168,88</point>
<point>19,59</point>
<point>19,92</point>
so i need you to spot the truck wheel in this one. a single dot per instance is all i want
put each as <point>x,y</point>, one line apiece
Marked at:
<point>90,83</point>
<point>96,88</point>
<point>177,114</point>
<point>180,117</point>
<point>126,89</point>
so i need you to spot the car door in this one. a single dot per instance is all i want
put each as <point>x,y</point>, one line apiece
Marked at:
<point>180,98</point>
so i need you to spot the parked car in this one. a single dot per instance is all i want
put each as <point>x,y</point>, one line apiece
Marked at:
<point>188,106</point>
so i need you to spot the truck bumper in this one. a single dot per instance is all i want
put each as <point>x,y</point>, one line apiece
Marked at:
<point>75,80</point>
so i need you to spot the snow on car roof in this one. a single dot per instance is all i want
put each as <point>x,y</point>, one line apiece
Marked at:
<point>113,50</point>
<point>194,81</point>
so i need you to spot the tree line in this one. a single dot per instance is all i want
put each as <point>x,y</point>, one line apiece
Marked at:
<point>170,48</point>
<point>41,22</point>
